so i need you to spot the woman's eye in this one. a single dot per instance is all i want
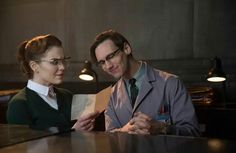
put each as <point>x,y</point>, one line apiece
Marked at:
<point>54,62</point>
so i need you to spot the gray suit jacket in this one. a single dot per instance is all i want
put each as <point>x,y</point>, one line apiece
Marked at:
<point>159,91</point>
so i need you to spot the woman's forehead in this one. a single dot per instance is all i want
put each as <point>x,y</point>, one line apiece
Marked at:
<point>54,52</point>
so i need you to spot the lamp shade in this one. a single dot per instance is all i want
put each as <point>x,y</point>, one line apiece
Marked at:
<point>216,73</point>
<point>87,74</point>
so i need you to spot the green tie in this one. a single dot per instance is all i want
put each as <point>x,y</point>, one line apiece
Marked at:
<point>133,91</point>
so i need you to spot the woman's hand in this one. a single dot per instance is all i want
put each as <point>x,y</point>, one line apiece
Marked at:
<point>86,122</point>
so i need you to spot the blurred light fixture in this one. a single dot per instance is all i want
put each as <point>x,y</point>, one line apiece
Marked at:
<point>216,73</point>
<point>87,74</point>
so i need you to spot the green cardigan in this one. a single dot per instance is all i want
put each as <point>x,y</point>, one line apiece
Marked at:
<point>28,108</point>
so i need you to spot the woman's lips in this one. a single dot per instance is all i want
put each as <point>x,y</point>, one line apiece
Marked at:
<point>59,75</point>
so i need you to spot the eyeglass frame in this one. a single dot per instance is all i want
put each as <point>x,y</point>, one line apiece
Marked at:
<point>109,57</point>
<point>55,61</point>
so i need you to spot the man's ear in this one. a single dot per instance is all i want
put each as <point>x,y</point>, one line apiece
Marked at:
<point>127,49</point>
<point>34,66</point>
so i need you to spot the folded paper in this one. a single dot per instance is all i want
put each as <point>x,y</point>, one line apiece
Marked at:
<point>83,104</point>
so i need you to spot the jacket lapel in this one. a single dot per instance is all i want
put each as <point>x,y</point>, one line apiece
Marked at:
<point>146,86</point>
<point>123,96</point>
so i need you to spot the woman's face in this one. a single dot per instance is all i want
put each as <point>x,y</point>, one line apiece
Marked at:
<point>50,68</point>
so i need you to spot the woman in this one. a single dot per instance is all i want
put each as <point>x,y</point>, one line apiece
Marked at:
<point>41,105</point>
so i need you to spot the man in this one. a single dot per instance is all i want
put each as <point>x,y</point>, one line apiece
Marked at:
<point>154,102</point>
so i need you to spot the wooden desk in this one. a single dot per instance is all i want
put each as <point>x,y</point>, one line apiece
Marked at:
<point>217,122</point>
<point>101,142</point>
<point>13,134</point>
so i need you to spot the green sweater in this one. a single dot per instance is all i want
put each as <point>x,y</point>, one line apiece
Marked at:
<point>28,108</point>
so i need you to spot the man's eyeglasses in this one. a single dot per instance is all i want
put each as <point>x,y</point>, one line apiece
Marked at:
<point>57,61</point>
<point>108,57</point>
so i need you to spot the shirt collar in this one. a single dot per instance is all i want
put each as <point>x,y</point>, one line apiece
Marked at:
<point>41,89</point>
<point>139,74</point>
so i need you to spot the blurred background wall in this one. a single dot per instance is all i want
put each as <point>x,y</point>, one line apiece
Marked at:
<point>176,36</point>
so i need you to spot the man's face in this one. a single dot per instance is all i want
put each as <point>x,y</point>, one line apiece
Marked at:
<point>112,59</point>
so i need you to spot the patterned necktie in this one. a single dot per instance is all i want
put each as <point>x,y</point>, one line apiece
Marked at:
<point>51,93</point>
<point>133,91</point>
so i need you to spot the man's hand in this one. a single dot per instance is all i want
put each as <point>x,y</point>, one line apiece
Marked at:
<point>125,128</point>
<point>143,124</point>
<point>137,125</point>
<point>86,122</point>
<point>158,127</point>
<point>140,124</point>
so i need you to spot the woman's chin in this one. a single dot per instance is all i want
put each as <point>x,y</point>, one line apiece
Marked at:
<point>56,82</point>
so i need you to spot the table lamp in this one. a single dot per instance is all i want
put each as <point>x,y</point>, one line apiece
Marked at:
<point>216,74</point>
<point>88,74</point>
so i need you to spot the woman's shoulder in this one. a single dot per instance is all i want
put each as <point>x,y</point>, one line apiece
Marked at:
<point>20,97</point>
<point>63,91</point>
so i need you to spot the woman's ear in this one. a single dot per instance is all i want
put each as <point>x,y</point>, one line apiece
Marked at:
<point>34,66</point>
<point>127,49</point>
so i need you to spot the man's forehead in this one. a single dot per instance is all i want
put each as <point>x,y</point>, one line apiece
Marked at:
<point>107,45</point>
<point>104,49</point>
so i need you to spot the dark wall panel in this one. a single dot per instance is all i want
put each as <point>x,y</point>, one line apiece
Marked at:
<point>157,29</point>
<point>177,36</point>
<point>215,28</point>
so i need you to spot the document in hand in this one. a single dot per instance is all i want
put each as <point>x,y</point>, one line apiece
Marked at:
<point>86,103</point>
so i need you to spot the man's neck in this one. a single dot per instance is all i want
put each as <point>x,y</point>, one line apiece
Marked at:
<point>133,66</point>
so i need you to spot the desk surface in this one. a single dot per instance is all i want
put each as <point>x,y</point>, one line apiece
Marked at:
<point>12,134</point>
<point>101,142</point>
